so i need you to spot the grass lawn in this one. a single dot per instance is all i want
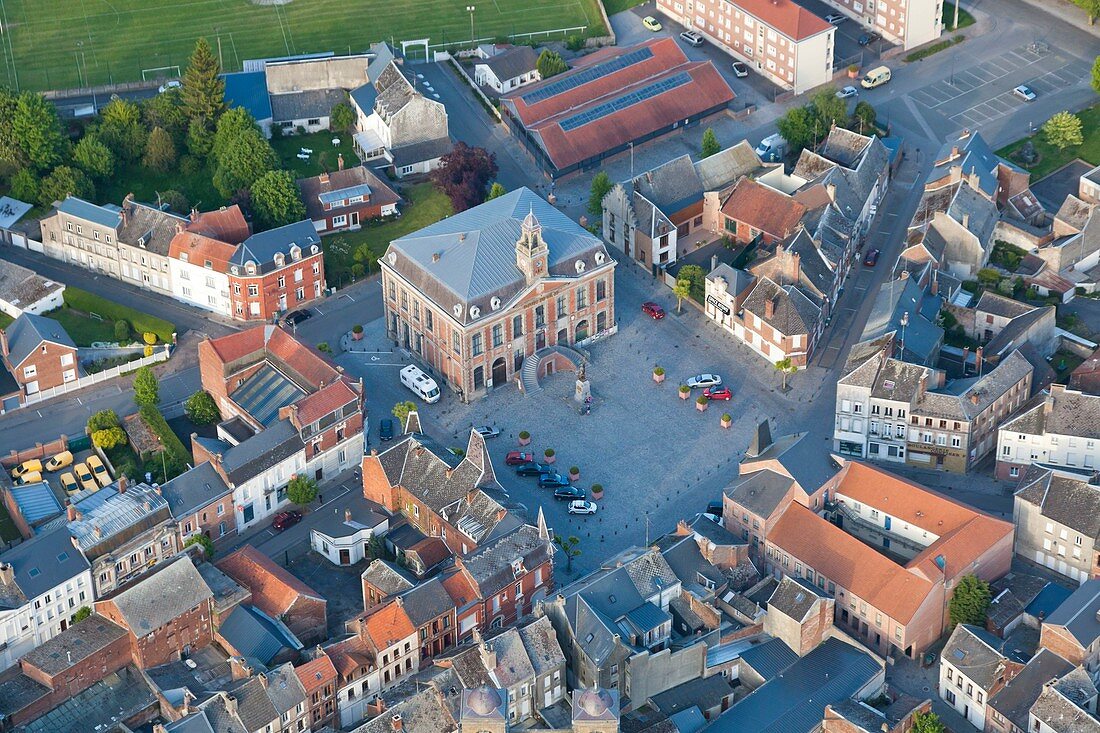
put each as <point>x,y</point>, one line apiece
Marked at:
<point>76,316</point>
<point>59,45</point>
<point>1050,157</point>
<point>5,320</point>
<point>324,157</point>
<point>83,328</point>
<point>8,530</point>
<point>145,184</point>
<point>618,6</point>
<point>426,205</point>
<point>948,16</point>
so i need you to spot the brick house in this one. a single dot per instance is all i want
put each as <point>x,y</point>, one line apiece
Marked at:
<point>1072,632</point>
<point>166,613</point>
<point>432,610</point>
<point>383,579</point>
<point>469,607</point>
<point>275,271</point>
<point>347,198</point>
<point>39,353</point>
<point>320,680</point>
<point>753,502</point>
<point>754,210</point>
<point>393,637</point>
<point>278,593</point>
<point>779,322</point>
<point>202,504</point>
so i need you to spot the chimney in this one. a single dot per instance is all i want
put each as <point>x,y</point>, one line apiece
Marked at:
<point>72,513</point>
<point>796,266</point>
<point>395,721</point>
<point>7,573</point>
<point>122,484</point>
<point>769,307</point>
<point>954,151</point>
<point>239,669</point>
<point>374,452</point>
<point>713,262</point>
<point>323,178</point>
<point>935,284</point>
<point>347,515</point>
<point>263,679</point>
<point>194,214</point>
<point>923,385</point>
<point>830,188</point>
<point>449,472</point>
<point>974,397</point>
<point>339,161</point>
<point>179,227</point>
<point>966,220</point>
<point>231,705</point>
<point>978,359</point>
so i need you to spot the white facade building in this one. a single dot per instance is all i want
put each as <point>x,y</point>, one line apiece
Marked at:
<point>200,286</point>
<point>1060,428</point>
<point>344,536</point>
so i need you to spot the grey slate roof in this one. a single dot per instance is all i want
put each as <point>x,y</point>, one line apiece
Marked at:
<point>23,287</point>
<point>954,401</point>
<point>365,514</point>
<point>981,212</point>
<point>975,156</point>
<point>227,592</point>
<point>1074,503</point>
<point>1015,699</point>
<point>682,554</point>
<point>40,564</point>
<point>896,298</point>
<point>27,333</point>
<point>542,646</point>
<point>1078,613</point>
<point>193,489</point>
<point>469,258</point>
<point>736,280</point>
<point>1071,413</point>
<point>706,692</point>
<point>106,216</point>
<point>671,186</point>
<point>160,596</point>
<point>760,491</point>
<point>999,305</point>
<point>118,696</point>
<point>265,449</point>
<point>427,601</point>
<point>80,641</point>
<point>254,707</point>
<point>973,652</point>
<point>1009,336</point>
<point>262,247</point>
<point>147,227</point>
<point>770,658</point>
<point>305,104</point>
<point>426,710</point>
<point>420,152</point>
<point>512,62</point>
<point>256,635</point>
<point>491,566</point>
<point>724,168</point>
<point>794,313</point>
<point>388,577</point>
<point>795,597</point>
<point>1058,713</point>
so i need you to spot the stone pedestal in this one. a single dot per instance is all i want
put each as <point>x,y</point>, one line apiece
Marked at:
<point>583,391</point>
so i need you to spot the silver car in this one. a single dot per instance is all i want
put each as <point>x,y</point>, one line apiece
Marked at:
<point>582,506</point>
<point>700,381</point>
<point>1024,92</point>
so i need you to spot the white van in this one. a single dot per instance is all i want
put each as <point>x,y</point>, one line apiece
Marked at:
<point>875,77</point>
<point>420,383</point>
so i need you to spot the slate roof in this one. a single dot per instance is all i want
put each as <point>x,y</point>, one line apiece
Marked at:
<point>1058,713</point>
<point>770,658</point>
<point>973,652</point>
<point>760,491</point>
<point>28,332</point>
<point>262,247</point>
<point>248,89</point>
<point>269,447</point>
<point>736,280</point>
<point>284,688</point>
<point>40,565</point>
<point>541,643</point>
<point>726,167</point>
<point>465,260</point>
<point>23,287</point>
<point>227,592</point>
<point>121,695</point>
<point>981,213</point>
<point>194,489</point>
<point>387,577</point>
<point>795,597</point>
<point>682,554</point>
<point>160,596</point>
<point>148,228</point>
<point>705,692</point>
<point>1010,337</point>
<point>425,710</point>
<point>974,155</point>
<point>955,400</point>
<point>305,104</point>
<point>254,708</point>
<point>1078,613</point>
<point>107,216</point>
<point>1071,502</point>
<point>1071,413</point>
<point>671,186</point>
<point>421,151</point>
<point>999,305</point>
<point>793,313</point>
<point>512,62</point>
<point>1015,699</point>
<point>491,566</point>
<point>72,646</point>
<point>254,634</point>
<point>427,602</point>
<point>365,514</point>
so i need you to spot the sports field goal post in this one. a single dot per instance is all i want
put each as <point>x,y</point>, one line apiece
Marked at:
<point>158,73</point>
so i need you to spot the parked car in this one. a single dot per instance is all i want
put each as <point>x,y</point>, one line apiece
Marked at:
<point>85,477</point>
<point>69,484</point>
<point>572,493</point>
<point>835,18</point>
<point>582,507</point>
<point>699,381</point>
<point>718,393</point>
<point>98,470</point>
<point>286,519</point>
<point>60,461</point>
<point>714,509</point>
<point>552,481</point>
<point>652,23</point>
<point>1024,92</point>
<point>871,258</point>
<point>866,39</point>
<point>28,478</point>
<point>169,86</point>
<point>32,466</point>
<point>295,317</point>
<point>740,70</point>
<point>653,310</point>
<point>518,458</point>
<point>534,469</point>
<point>691,38</point>
<point>486,432</point>
<point>847,93</point>
<point>385,429</point>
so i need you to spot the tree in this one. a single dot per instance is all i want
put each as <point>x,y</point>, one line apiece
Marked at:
<point>276,200</point>
<point>166,111</point>
<point>341,118</point>
<point>64,181</point>
<point>601,186</point>
<point>697,277</point>
<point>569,547</point>
<point>301,490</point>
<point>146,387</point>
<point>37,128</point>
<point>550,63</point>
<point>785,367</point>
<point>682,289</point>
<point>797,128</point>
<point>122,331</point>
<point>247,158</point>
<point>94,158</point>
<point>200,139</point>
<point>81,613</point>
<point>989,277</point>
<point>109,438</point>
<point>24,186</point>
<point>830,109</point>
<point>495,192</point>
<point>464,174</point>
<point>201,408</point>
<point>102,420</point>
<point>1091,8</point>
<point>1096,75</point>
<point>203,89</point>
<point>204,542</point>
<point>121,129</point>
<point>10,149</point>
<point>970,602</point>
<point>927,723</point>
<point>402,409</point>
<point>710,144</point>
<point>1063,130</point>
<point>233,123</point>
<point>863,118</point>
<point>160,151</point>
<point>176,201</point>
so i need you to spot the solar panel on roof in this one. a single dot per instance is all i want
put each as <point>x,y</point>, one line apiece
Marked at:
<point>627,100</point>
<point>590,74</point>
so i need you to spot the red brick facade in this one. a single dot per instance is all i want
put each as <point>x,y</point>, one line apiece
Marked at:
<point>319,678</point>
<point>261,297</point>
<point>192,629</point>
<point>48,366</point>
<point>209,521</point>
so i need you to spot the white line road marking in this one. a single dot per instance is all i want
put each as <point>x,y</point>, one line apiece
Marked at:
<point>319,311</point>
<point>345,295</point>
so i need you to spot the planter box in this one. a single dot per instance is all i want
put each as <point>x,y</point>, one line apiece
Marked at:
<point>549,459</point>
<point>685,395</point>
<point>597,495</point>
<point>702,406</point>
<point>524,441</point>
<point>658,378</point>
<point>356,336</point>
<point>726,423</point>
<point>574,477</point>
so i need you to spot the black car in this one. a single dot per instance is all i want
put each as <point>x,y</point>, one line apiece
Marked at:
<point>865,39</point>
<point>533,469</point>
<point>552,481</point>
<point>714,509</point>
<point>295,317</point>
<point>572,493</point>
<point>385,429</point>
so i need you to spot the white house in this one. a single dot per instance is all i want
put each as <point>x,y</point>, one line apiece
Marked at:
<point>1059,428</point>
<point>24,291</point>
<point>343,536</point>
<point>507,69</point>
<point>970,667</point>
<point>43,583</point>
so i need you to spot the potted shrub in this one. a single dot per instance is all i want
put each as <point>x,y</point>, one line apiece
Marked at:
<point>701,403</point>
<point>597,491</point>
<point>658,374</point>
<point>357,332</point>
<point>726,420</point>
<point>524,437</point>
<point>853,71</point>
<point>685,391</point>
<point>549,455</point>
<point>574,473</point>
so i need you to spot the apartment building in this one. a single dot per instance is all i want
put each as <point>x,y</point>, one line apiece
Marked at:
<point>199,256</point>
<point>972,670</point>
<point>1057,518</point>
<point>1059,428</point>
<point>275,271</point>
<point>781,40</point>
<point>907,23</point>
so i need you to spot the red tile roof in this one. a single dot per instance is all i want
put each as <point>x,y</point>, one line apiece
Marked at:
<point>432,551</point>
<point>460,588</point>
<point>705,90</point>
<point>763,208</point>
<point>199,248</point>
<point>274,590</point>
<point>312,408</point>
<point>350,656</point>
<point>389,624</point>
<point>227,224</point>
<point>306,363</point>
<point>785,16</point>
<point>316,673</point>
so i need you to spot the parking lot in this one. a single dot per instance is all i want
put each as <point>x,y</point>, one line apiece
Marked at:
<point>846,48</point>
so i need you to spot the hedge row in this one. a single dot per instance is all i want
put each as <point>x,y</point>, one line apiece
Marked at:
<point>86,302</point>
<point>171,442</point>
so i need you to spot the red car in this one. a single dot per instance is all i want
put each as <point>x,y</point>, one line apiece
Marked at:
<point>286,519</point>
<point>718,393</point>
<point>653,310</point>
<point>871,258</point>
<point>518,458</point>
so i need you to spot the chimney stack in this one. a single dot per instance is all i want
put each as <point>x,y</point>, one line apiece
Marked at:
<point>974,397</point>
<point>339,161</point>
<point>923,384</point>
<point>796,266</point>
<point>122,484</point>
<point>194,214</point>
<point>98,532</point>
<point>396,723</point>
<point>72,512</point>
<point>830,188</point>
<point>323,178</point>
<point>935,284</point>
<point>954,151</point>
<point>978,359</point>
<point>769,307</point>
<point>347,515</point>
<point>7,573</point>
<point>231,705</point>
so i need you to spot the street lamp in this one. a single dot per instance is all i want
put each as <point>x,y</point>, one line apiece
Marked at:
<point>470,9</point>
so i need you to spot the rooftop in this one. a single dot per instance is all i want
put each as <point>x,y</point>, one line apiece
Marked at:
<point>160,596</point>
<point>1060,411</point>
<point>28,331</point>
<point>254,634</point>
<point>974,652</point>
<point>1078,613</point>
<point>762,207</point>
<point>194,489</point>
<point>274,589</point>
<point>72,646</point>
<point>117,697</point>
<point>110,515</point>
<point>22,287</point>
<point>1068,501</point>
<point>786,17</point>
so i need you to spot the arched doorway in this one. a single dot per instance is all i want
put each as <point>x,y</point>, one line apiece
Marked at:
<point>500,372</point>
<point>601,321</point>
<point>563,336</point>
<point>582,329</point>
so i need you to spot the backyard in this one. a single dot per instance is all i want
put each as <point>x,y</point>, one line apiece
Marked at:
<point>1051,158</point>
<point>89,318</point>
<point>145,184</point>
<point>324,155</point>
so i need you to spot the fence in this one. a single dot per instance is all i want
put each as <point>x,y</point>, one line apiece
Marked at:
<point>103,376</point>
<point>39,451</point>
<point>60,95</point>
<point>484,100</point>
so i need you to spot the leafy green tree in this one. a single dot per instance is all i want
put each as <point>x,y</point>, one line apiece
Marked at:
<point>927,723</point>
<point>81,613</point>
<point>24,186</point>
<point>495,191</point>
<point>122,331</point>
<point>682,289</point>
<point>166,111</point>
<point>10,149</point>
<point>301,490</point>
<point>94,158</point>
<point>203,89</point>
<point>176,201</point>
<point>64,181</point>
<point>402,409</point>
<point>341,118</point>
<point>570,547</point>
<point>785,367</point>
<point>970,602</point>
<point>710,144</point>
<point>601,186</point>
<point>1096,75</point>
<point>697,276</point>
<point>863,118</point>
<point>204,542</point>
<point>1091,8</point>
<point>121,129</point>
<point>37,128</point>
<point>146,387</point>
<point>829,110</point>
<point>1063,130</point>
<point>109,438</point>
<point>160,151</point>
<point>989,277</point>
<point>200,139</point>
<point>245,160</point>
<point>797,127</point>
<point>276,200</point>
<point>232,124</point>
<point>550,63</point>
<point>201,408</point>
<point>102,420</point>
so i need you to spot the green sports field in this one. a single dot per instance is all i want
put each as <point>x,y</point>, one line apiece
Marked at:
<point>56,44</point>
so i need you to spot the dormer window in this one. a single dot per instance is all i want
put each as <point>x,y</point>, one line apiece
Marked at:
<point>183,257</point>
<point>314,249</point>
<point>295,252</point>
<point>250,267</point>
<point>279,259</point>
<point>356,199</point>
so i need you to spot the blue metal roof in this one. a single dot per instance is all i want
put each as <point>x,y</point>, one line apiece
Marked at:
<point>248,89</point>
<point>255,634</point>
<point>36,501</point>
<point>332,197</point>
<point>364,97</point>
<point>82,209</point>
<point>770,658</point>
<point>1050,597</point>
<point>264,393</point>
<point>647,617</point>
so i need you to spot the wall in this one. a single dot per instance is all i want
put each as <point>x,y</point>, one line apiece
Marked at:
<point>158,356</point>
<point>652,674</point>
<point>191,629</point>
<point>343,72</point>
<point>1035,544</point>
<point>1058,640</point>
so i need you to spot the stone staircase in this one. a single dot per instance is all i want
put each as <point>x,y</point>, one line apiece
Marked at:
<point>529,375</point>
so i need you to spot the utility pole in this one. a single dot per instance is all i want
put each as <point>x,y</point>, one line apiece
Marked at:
<point>470,9</point>
<point>955,25</point>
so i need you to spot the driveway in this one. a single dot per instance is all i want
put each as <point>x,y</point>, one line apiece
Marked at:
<point>1052,189</point>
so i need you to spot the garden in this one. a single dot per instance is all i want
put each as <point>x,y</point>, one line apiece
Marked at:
<point>1050,148</point>
<point>88,319</point>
